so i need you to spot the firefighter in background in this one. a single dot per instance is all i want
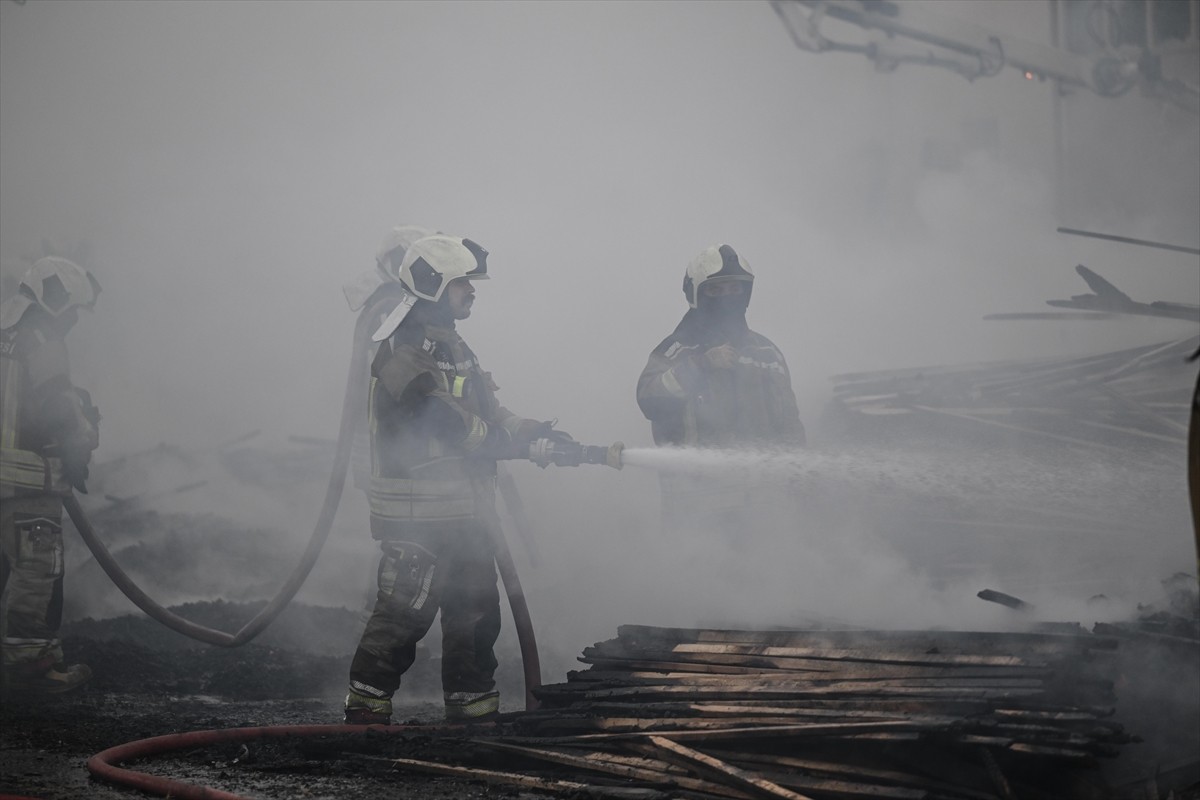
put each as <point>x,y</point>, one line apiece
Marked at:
<point>378,286</point>
<point>48,430</point>
<point>716,383</point>
<point>436,434</point>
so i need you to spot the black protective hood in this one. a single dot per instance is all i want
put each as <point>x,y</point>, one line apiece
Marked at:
<point>718,320</point>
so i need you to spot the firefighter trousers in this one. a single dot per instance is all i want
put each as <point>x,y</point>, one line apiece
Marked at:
<point>31,580</point>
<point>453,571</point>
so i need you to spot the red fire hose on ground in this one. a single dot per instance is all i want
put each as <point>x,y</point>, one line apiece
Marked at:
<point>103,765</point>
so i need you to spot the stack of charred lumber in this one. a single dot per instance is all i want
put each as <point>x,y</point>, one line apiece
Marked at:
<point>1139,394</point>
<point>838,714</point>
<point>1111,399</point>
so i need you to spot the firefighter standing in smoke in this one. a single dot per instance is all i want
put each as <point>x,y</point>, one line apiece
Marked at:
<point>715,383</point>
<point>436,434</point>
<point>48,429</point>
<point>378,286</point>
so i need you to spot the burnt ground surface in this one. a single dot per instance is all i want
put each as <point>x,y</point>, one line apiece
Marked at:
<point>148,681</point>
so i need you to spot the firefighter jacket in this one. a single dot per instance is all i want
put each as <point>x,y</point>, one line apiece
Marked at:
<point>689,403</point>
<point>360,458</point>
<point>436,427</point>
<point>48,427</point>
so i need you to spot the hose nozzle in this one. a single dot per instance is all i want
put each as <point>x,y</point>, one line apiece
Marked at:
<point>599,454</point>
<point>545,452</point>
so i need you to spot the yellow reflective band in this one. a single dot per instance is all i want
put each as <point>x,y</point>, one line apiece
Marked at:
<point>22,468</point>
<point>671,384</point>
<point>10,376</point>
<point>476,435</point>
<point>470,705</point>
<point>459,380</point>
<point>420,500</point>
<point>372,426</point>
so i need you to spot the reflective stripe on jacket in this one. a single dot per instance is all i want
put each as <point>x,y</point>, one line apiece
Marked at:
<point>19,469</point>
<point>751,403</point>
<point>431,407</point>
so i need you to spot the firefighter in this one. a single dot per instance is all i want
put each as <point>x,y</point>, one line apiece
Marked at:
<point>378,286</point>
<point>48,430</point>
<point>437,431</point>
<point>716,383</point>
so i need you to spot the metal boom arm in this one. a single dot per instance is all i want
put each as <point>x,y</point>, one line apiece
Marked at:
<point>971,50</point>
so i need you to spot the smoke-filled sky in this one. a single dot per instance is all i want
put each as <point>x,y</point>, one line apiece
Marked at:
<point>232,164</point>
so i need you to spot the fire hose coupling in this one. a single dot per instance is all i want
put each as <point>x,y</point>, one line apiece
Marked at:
<point>545,452</point>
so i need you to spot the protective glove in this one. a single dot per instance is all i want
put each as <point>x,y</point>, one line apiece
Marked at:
<point>545,430</point>
<point>720,357</point>
<point>77,446</point>
<point>75,472</point>
<point>562,451</point>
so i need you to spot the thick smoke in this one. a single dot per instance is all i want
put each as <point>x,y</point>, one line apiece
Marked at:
<point>232,165</point>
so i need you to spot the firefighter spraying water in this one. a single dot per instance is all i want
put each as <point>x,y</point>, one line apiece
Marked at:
<point>437,432</point>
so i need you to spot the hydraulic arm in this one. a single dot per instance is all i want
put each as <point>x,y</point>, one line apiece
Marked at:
<point>914,35</point>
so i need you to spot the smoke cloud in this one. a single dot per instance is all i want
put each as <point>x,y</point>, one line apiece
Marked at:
<point>233,164</point>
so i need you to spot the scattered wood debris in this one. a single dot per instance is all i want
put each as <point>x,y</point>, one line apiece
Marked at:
<point>738,714</point>
<point>1137,395</point>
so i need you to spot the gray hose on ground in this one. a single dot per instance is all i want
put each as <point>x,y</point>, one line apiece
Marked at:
<point>1193,459</point>
<point>352,405</point>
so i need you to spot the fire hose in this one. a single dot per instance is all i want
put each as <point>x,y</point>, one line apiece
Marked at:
<point>352,403</point>
<point>569,454</point>
<point>103,765</point>
<point>1194,463</point>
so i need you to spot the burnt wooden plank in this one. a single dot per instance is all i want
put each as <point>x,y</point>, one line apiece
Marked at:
<point>725,773</point>
<point>856,770</point>
<point>719,710</point>
<point>812,658</point>
<point>729,664</point>
<point>646,770</point>
<point>642,723</point>
<point>995,642</point>
<point>858,705</point>
<point>821,653</point>
<point>841,789</point>
<point>1070,753</point>
<point>766,691</point>
<point>590,679</point>
<point>768,731</point>
<point>518,779</point>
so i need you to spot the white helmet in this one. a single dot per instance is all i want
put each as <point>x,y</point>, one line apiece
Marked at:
<point>431,263</point>
<point>394,245</point>
<point>718,261</point>
<point>387,265</point>
<point>56,285</point>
